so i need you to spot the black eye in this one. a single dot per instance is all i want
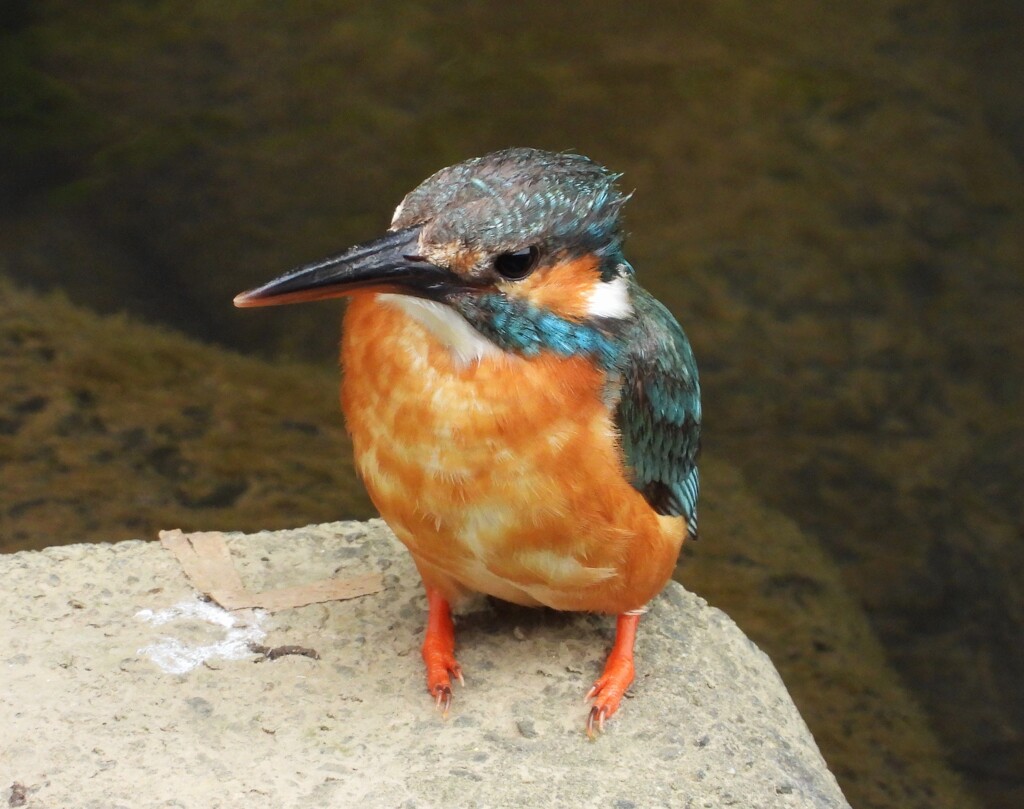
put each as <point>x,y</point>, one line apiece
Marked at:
<point>516,266</point>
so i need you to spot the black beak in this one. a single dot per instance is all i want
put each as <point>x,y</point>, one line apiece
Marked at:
<point>387,264</point>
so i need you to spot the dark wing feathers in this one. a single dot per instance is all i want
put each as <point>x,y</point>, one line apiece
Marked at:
<point>658,412</point>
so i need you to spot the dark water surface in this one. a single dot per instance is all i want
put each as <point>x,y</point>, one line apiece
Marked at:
<point>828,196</point>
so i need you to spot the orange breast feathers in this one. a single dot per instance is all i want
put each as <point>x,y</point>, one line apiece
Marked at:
<point>501,474</point>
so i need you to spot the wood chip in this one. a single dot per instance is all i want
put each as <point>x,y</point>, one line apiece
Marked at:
<point>206,560</point>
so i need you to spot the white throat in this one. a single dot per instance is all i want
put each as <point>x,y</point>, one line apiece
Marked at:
<point>465,343</point>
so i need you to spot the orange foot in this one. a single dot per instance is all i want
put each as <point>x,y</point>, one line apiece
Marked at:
<point>439,651</point>
<point>611,686</point>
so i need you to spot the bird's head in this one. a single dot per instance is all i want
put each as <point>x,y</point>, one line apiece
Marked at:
<point>524,245</point>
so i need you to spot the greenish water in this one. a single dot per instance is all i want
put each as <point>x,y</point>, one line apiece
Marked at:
<point>829,198</point>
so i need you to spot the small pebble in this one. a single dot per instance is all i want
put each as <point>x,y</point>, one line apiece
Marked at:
<point>526,728</point>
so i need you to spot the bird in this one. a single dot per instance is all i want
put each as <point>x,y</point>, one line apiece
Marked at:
<point>524,415</point>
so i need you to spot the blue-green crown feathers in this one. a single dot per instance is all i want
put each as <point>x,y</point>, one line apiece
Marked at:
<point>518,197</point>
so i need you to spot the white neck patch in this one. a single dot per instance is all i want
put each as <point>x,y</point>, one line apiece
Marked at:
<point>466,344</point>
<point>610,299</point>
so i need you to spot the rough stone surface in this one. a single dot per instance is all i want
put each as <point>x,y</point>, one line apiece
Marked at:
<point>93,716</point>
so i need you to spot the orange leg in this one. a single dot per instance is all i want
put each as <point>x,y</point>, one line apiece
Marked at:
<point>610,687</point>
<point>439,651</point>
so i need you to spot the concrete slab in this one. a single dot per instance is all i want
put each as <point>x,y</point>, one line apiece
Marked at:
<point>121,688</point>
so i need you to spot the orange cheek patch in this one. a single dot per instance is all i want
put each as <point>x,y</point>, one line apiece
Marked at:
<point>564,288</point>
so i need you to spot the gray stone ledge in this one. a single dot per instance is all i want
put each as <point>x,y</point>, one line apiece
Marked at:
<point>93,714</point>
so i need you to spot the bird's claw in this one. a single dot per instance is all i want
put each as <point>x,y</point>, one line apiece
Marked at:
<point>595,721</point>
<point>439,683</point>
<point>607,693</point>
<point>443,699</point>
<point>606,702</point>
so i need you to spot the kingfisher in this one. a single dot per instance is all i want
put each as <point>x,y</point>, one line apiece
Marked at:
<point>524,415</point>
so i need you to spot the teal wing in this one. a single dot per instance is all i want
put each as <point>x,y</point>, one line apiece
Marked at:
<point>658,412</point>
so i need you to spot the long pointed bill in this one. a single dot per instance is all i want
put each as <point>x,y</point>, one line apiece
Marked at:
<point>387,264</point>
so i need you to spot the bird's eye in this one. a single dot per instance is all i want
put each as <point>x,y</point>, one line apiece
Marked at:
<point>516,266</point>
